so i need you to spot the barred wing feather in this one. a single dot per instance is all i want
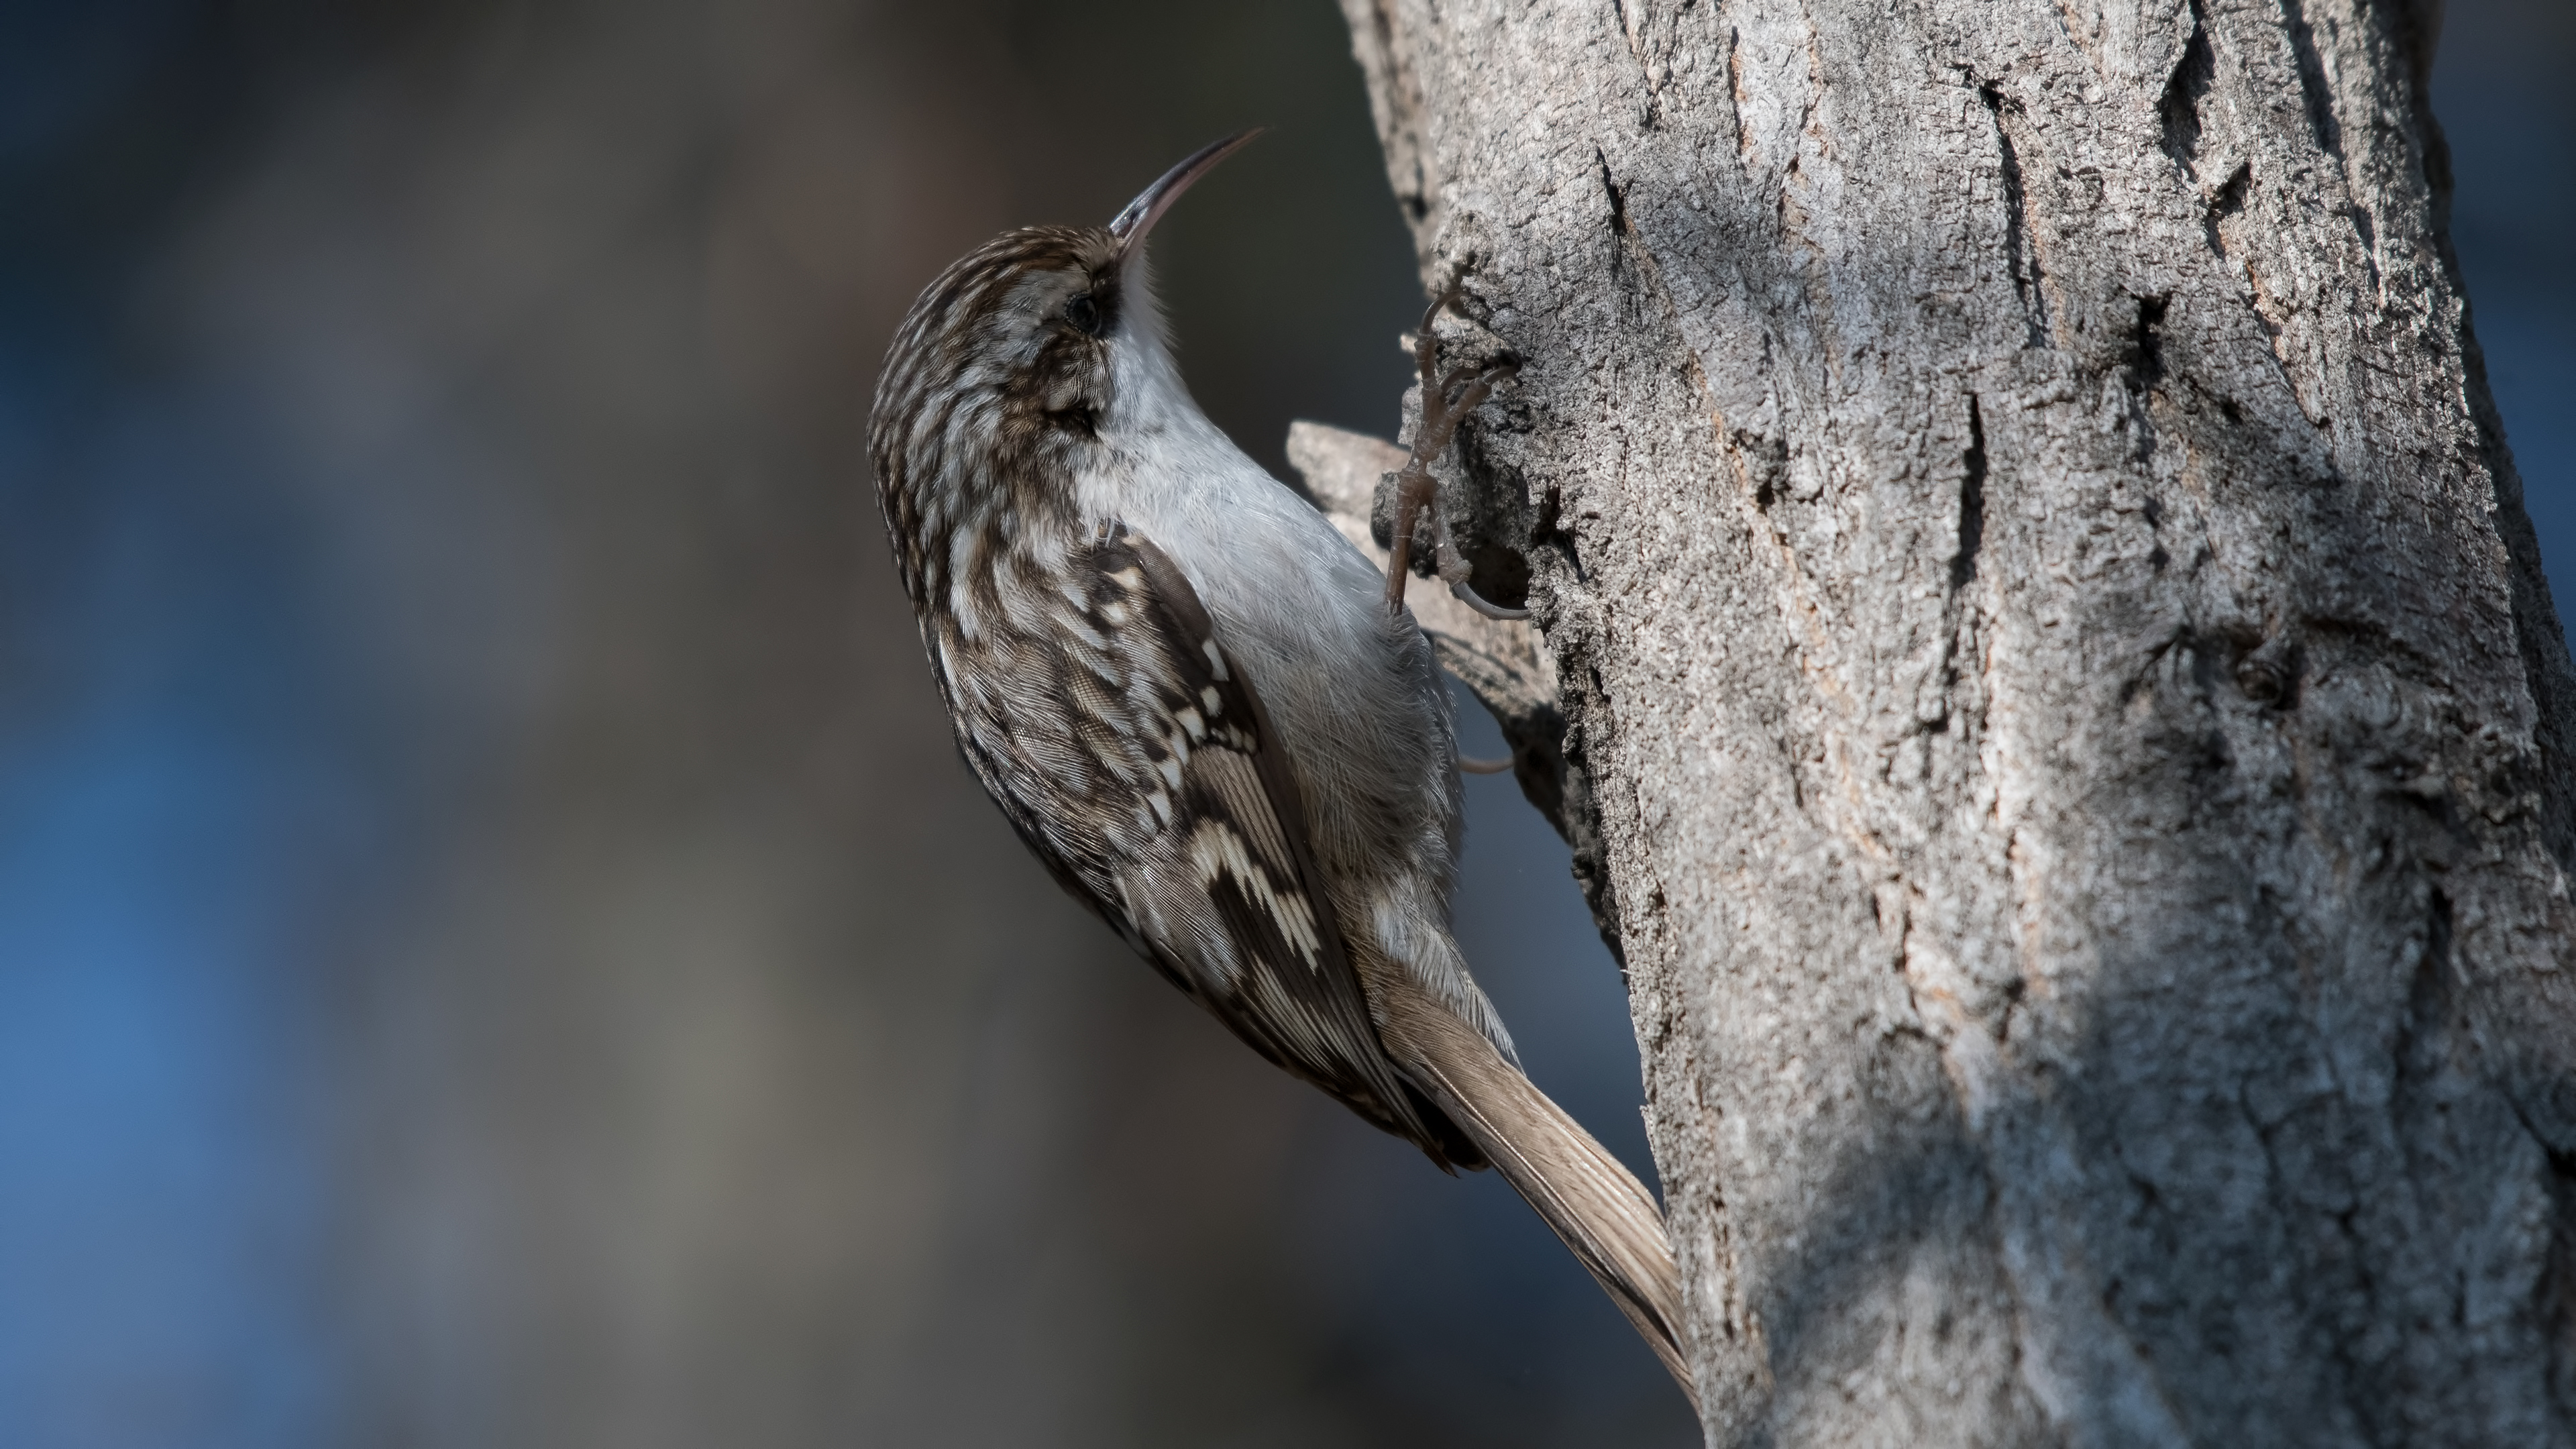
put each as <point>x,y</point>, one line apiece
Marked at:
<point>1191,836</point>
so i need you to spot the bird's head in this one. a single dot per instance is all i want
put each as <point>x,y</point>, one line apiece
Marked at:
<point>1036,329</point>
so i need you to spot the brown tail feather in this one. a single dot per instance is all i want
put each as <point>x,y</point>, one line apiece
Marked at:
<point>1601,1211</point>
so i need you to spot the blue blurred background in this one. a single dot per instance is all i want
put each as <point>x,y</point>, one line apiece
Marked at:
<point>495,945</point>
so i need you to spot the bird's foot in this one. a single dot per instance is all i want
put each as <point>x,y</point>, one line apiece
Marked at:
<point>1447,398</point>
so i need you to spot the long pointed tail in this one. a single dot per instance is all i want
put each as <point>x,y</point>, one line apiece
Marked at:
<point>1601,1211</point>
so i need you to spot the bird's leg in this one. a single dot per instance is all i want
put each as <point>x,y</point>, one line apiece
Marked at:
<point>1414,488</point>
<point>1447,399</point>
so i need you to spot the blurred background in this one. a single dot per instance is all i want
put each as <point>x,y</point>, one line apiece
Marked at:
<point>496,946</point>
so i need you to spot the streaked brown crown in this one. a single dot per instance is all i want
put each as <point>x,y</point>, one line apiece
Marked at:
<point>998,377</point>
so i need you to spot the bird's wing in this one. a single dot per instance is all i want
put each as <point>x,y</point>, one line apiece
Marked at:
<point>1169,806</point>
<point>1137,761</point>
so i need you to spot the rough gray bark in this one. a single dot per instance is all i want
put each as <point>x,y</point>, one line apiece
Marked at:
<point>2074,729</point>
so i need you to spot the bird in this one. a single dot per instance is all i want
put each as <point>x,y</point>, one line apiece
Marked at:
<point>1210,715</point>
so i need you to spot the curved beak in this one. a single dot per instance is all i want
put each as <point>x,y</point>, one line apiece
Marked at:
<point>1149,206</point>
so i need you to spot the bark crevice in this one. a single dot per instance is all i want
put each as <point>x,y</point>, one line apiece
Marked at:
<point>1972,500</point>
<point>2184,93</point>
<point>2021,247</point>
<point>2316,92</point>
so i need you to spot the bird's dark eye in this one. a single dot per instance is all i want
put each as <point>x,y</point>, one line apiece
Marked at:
<point>1082,314</point>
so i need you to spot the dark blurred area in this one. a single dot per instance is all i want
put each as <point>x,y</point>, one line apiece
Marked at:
<point>496,946</point>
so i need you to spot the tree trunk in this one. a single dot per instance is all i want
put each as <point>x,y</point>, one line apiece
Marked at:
<point>2060,700</point>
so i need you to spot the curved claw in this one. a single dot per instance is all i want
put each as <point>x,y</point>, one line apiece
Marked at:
<point>1474,766</point>
<point>1439,305</point>
<point>1473,600</point>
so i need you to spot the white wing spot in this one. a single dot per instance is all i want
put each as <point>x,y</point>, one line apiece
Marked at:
<point>1215,702</point>
<point>1216,850</point>
<point>1191,721</point>
<point>1215,658</point>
